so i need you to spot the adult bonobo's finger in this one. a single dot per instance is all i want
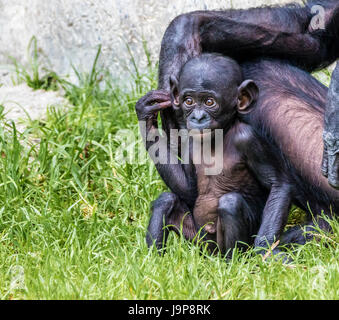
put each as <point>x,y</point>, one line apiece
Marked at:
<point>333,170</point>
<point>324,165</point>
<point>330,163</point>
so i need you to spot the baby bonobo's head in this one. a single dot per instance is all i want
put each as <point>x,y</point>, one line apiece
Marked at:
<point>210,91</point>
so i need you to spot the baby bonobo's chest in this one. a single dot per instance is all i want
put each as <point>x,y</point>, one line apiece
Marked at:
<point>234,177</point>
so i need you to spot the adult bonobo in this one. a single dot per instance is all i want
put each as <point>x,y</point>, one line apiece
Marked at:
<point>290,33</point>
<point>253,193</point>
<point>285,33</point>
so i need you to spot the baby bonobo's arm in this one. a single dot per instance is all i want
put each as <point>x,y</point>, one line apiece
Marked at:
<point>180,178</point>
<point>262,163</point>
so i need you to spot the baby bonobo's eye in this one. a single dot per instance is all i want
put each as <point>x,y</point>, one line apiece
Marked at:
<point>189,101</point>
<point>210,102</point>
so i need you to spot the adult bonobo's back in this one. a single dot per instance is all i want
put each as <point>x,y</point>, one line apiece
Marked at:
<point>289,113</point>
<point>285,151</point>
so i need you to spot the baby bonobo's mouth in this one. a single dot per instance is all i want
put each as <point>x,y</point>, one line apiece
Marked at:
<point>203,132</point>
<point>198,127</point>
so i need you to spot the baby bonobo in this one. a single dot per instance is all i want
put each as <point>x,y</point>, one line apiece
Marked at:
<point>250,200</point>
<point>208,95</point>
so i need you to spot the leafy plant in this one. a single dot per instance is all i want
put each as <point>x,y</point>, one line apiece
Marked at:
<point>34,75</point>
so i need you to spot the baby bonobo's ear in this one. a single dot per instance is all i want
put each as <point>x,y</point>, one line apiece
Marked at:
<point>248,93</point>
<point>174,84</point>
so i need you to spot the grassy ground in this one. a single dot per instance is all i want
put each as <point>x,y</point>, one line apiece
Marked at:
<point>73,219</point>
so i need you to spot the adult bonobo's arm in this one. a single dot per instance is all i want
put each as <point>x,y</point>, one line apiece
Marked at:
<point>307,36</point>
<point>304,35</point>
<point>330,166</point>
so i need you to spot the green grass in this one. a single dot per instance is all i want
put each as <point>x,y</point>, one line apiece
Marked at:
<point>32,73</point>
<point>73,219</point>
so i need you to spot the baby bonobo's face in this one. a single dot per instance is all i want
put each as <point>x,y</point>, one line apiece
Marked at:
<point>207,92</point>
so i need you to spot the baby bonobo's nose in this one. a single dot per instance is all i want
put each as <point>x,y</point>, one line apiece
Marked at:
<point>199,117</point>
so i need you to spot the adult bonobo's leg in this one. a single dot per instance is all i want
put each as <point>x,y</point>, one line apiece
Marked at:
<point>306,232</point>
<point>169,213</point>
<point>330,165</point>
<point>238,222</point>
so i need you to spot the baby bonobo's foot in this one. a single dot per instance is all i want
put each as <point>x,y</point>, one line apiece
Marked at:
<point>277,255</point>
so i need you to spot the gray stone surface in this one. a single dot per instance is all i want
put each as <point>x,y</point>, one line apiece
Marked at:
<point>69,31</point>
<point>22,103</point>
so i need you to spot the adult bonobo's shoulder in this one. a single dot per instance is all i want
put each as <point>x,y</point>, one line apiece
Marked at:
<point>277,79</point>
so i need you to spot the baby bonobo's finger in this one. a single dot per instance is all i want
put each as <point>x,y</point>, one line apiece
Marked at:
<point>160,92</point>
<point>157,96</point>
<point>160,106</point>
<point>152,103</point>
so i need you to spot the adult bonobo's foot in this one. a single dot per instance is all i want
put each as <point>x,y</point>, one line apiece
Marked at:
<point>330,166</point>
<point>275,254</point>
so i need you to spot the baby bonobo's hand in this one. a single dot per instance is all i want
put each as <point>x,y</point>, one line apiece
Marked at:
<point>148,106</point>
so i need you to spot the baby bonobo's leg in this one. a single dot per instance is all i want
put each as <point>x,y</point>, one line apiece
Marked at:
<point>169,213</point>
<point>237,221</point>
<point>273,174</point>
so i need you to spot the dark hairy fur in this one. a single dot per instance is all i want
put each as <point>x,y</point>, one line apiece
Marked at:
<point>289,115</point>
<point>277,32</point>
<point>273,45</point>
<point>280,32</point>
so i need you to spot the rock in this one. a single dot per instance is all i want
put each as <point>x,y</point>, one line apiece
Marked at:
<point>70,31</point>
<point>22,103</point>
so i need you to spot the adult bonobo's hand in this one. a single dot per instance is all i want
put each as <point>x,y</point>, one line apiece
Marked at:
<point>148,106</point>
<point>330,166</point>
